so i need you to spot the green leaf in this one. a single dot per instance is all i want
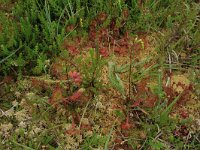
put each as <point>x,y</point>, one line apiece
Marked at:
<point>115,79</point>
<point>165,114</point>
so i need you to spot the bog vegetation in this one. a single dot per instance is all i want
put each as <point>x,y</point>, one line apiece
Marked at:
<point>100,74</point>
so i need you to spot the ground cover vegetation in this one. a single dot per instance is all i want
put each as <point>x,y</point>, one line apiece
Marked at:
<point>100,74</point>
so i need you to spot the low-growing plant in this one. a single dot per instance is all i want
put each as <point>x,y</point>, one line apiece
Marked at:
<point>133,76</point>
<point>94,141</point>
<point>91,70</point>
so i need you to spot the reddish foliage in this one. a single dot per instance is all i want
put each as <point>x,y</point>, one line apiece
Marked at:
<point>76,77</point>
<point>113,23</point>
<point>104,52</point>
<point>118,140</point>
<point>73,130</point>
<point>103,32</point>
<point>126,125</point>
<point>123,42</point>
<point>142,86</point>
<point>181,132</point>
<point>167,74</point>
<point>56,97</point>
<point>72,47</point>
<point>121,143</point>
<point>103,36</point>
<point>70,28</point>
<point>86,127</point>
<point>172,93</point>
<point>184,130</point>
<point>147,65</point>
<point>38,84</point>
<point>107,36</point>
<point>57,69</point>
<point>186,94</point>
<point>76,118</point>
<point>116,33</point>
<point>120,50</point>
<point>73,50</point>
<point>92,35</point>
<point>93,24</point>
<point>137,48</point>
<point>75,97</point>
<point>137,103</point>
<point>120,107</point>
<point>184,114</point>
<point>101,17</point>
<point>150,101</point>
<point>144,96</point>
<point>8,79</point>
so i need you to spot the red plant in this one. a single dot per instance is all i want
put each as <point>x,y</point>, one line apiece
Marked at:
<point>172,93</point>
<point>137,103</point>
<point>103,51</point>
<point>56,97</point>
<point>181,132</point>
<point>86,127</point>
<point>92,35</point>
<point>69,28</point>
<point>57,69</point>
<point>184,114</point>
<point>71,46</point>
<point>75,97</point>
<point>101,17</point>
<point>144,95</point>
<point>121,143</point>
<point>103,36</point>
<point>113,23</point>
<point>73,130</point>
<point>126,125</point>
<point>73,50</point>
<point>150,101</point>
<point>93,24</point>
<point>8,79</point>
<point>39,84</point>
<point>76,77</point>
<point>123,42</point>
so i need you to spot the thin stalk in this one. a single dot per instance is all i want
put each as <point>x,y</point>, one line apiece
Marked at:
<point>21,145</point>
<point>130,71</point>
<point>4,59</point>
<point>83,115</point>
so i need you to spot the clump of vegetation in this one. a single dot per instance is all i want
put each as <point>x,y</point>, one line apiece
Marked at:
<point>112,74</point>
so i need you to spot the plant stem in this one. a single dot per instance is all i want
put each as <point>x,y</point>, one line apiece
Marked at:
<point>130,71</point>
